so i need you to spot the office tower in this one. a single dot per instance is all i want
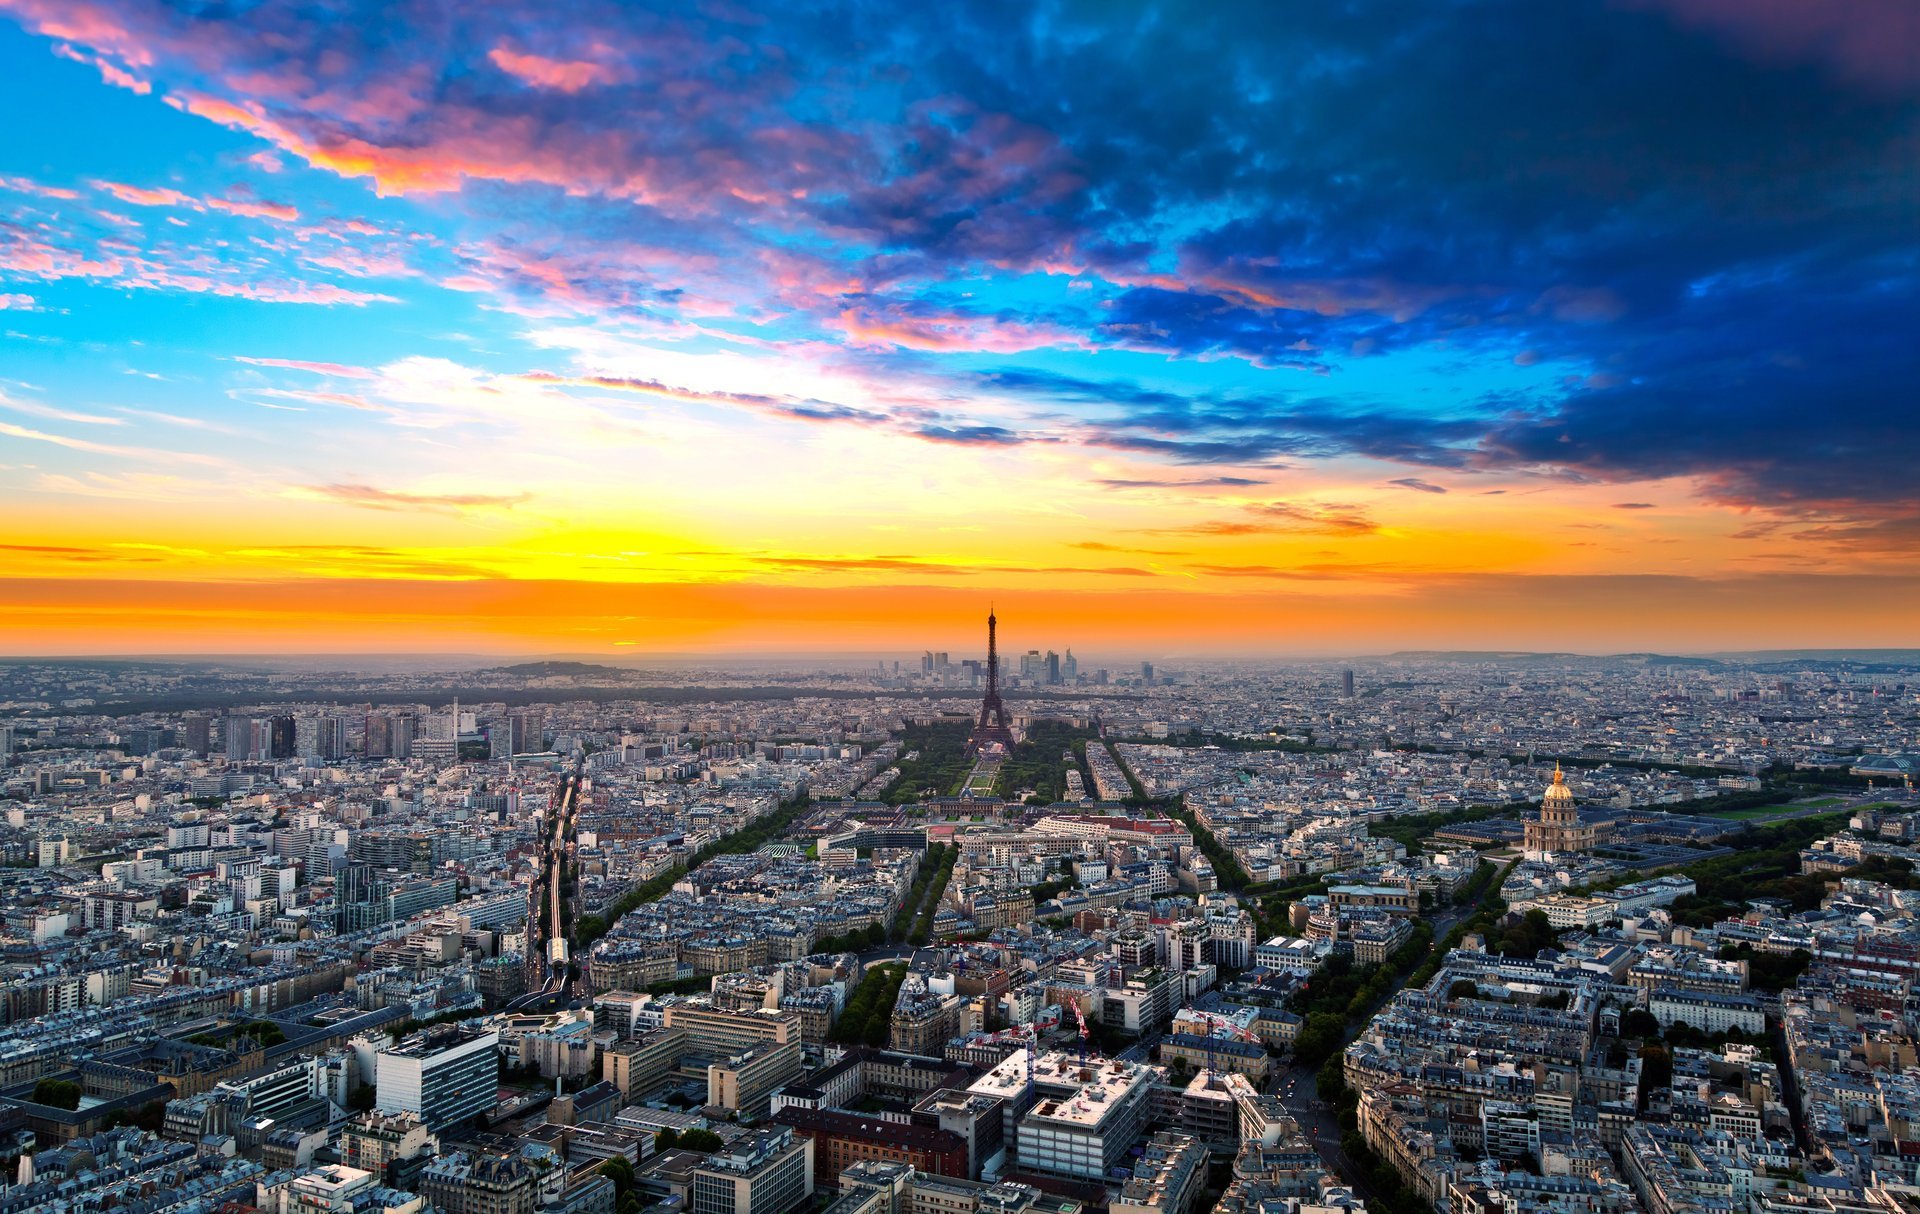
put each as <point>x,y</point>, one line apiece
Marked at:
<point>1346,683</point>
<point>1146,671</point>
<point>280,737</point>
<point>767,1172</point>
<point>357,897</point>
<point>319,738</point>
<point>443,1075</point>
<point>499,733</point>
<point>1032,665</point>
<point>529,733</point>
<point>146,741</point>
<point>1084,1121</point>
<point>926,662</point>
<point>196,733</point>
<point>6,739</point>
<point>1053,668</point>
<point>239,738</point>
<point>940,663</point>
<point>378,742</point>
<point>1069,669</point>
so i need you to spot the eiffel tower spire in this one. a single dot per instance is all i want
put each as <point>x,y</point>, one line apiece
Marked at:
<point>992,725</point>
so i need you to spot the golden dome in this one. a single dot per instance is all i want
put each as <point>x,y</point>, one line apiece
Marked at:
<point>1558,794</point>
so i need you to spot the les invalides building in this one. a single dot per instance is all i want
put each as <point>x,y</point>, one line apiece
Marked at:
<point>1559,828</point>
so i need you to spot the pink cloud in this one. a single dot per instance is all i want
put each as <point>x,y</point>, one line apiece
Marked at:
<point>950,331</point>
<point>564,75</point>
<point>1874,43</point>
<point>372,498</point>
<point>144,196</point>
<point>87,23</point>
<point>23,254</point>
<point>336,370</point>
<point>110,72</point>
<point>21,185</point>
<point>154,277</point>
<point>254,209</point>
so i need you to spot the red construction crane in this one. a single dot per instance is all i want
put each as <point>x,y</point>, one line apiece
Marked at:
<point>1213,1020</point>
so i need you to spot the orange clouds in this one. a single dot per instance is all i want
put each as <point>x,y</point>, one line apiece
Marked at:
<point>346,615</point>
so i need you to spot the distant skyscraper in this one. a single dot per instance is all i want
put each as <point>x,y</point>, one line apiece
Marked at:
<point>319,737</point>
<point>1346,683</point>
<point>389,735</point>
<point>239,738</point>
<point>1053,668</point>
<point>529,734</point>
<point>1069,669</point>
<point>509,736</point>
<point>926,662</point>
<point>1146,671</point>
<point>1032,665</point>
<point>378,742</point>
<point>356,893</point>
<point>280,737</point>
<point>196,733</point>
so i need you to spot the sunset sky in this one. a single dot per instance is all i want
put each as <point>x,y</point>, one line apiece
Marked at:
<point>1168,328</point>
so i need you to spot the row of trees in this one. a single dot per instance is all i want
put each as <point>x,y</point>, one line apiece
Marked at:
<point>748,838</point>
<point>858,940</point>
<point>265,1032</point>
<point>868,1016</point>
<point>1341,998</point>
<point>923,927</point>
<point>930,864</point>
<point>1385,1190</point>
<point>1226,866</point>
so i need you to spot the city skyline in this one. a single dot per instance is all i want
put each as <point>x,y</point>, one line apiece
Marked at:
<point>1194,331</point>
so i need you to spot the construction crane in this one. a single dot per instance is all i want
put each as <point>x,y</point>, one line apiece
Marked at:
<point>1212,1021</point>
<point>1082,1018</point>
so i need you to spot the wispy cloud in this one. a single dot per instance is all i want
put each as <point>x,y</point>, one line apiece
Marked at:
<point>370,498</point>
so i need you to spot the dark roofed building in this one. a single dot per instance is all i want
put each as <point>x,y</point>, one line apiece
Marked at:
<point>841,1139</point>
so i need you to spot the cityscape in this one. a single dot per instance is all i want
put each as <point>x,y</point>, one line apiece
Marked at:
<point>846,607</point>
<point>1417,932</point>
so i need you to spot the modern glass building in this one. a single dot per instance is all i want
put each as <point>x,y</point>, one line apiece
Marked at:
<point>444,1075</point>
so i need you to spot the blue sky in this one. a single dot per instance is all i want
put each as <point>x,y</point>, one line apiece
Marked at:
<point>1383,297</point>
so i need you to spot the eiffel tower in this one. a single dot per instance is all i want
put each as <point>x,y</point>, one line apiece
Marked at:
<point>992,725</point>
